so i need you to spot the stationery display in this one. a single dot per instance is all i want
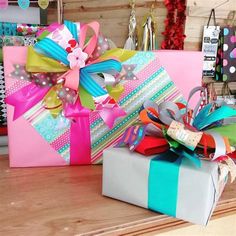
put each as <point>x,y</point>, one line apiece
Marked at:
<point>19,29</point>
<point>111,93</point>
<point>210,46</point>
<point>28,29</point>
<point>18,40</point>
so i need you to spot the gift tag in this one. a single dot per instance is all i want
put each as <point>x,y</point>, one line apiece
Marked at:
<point>186,137</point>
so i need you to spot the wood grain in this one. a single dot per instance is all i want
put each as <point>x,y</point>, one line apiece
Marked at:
<point>114,15</point>
<point>68,201</point>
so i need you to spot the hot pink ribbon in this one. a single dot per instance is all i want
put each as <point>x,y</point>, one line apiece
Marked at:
<point>109,111</point>
<point>79,133</point>
<point>25,98</point>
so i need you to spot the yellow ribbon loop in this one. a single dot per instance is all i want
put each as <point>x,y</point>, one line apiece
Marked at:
<point>39,63</point>
<point>52,102</point>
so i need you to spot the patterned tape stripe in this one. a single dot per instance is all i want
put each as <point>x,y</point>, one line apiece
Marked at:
<point>101,142</point>
<point>96,151</point>
<point>17,85</point>
<point>65,153</point>
<point>134,106</point>
<point>121,103</point>
<point>37,113</point>
<point>130,104</point>
<point>97,155</point>
<point>60,141</point>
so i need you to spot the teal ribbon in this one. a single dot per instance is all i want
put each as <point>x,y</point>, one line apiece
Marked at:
<point>163,180</point>
<point>51,49</point>
<point>207,117</point>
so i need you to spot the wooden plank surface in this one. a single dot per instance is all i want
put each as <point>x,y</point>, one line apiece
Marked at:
<point>112,15</point>
<point>68,201</point>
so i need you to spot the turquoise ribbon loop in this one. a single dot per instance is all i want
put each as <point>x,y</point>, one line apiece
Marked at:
<point>205,117</point>
<point>51,49</point>
<point>163,180</point>
<point>72,28</point>
<point>186,153</point>
<point>102,67</point>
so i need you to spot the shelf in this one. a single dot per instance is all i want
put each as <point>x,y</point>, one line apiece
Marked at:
<point>68,201</point>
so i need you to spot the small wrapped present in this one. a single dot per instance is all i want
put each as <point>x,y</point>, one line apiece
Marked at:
<point>165,183</point>
<point>175,182</point>
<point>68,99</point>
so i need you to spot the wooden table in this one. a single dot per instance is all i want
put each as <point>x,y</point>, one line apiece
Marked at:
<point>68,201</point>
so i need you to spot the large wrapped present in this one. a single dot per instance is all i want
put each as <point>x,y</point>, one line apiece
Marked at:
<point>66,105</point>
<point>165,183</point>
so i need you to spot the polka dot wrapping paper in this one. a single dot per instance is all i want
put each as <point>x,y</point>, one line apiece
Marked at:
<point>226,59</point>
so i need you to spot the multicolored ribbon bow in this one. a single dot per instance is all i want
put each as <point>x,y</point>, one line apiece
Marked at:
<point>182,128</point>
<point>65,51</point>
<point>63,69</point>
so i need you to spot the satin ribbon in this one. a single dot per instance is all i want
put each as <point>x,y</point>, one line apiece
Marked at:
<point>25,98</point>
<point>80,142</point>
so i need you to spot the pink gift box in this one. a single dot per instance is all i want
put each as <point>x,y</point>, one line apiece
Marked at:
<point>29,143</point>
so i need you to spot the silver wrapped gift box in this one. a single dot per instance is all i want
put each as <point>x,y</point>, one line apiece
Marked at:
<point>164,183</point>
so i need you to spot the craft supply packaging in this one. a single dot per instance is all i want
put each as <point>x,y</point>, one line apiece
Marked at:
<point>164,183</point>
<point>210,46</point>
<point>40,136</point>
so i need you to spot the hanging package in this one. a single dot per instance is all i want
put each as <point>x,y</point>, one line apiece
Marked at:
<point>210,45</point>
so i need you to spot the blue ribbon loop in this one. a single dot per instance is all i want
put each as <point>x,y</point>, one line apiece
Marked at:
<point>72,28</point>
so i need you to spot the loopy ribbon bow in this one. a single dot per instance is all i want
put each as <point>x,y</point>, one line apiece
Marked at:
<point>63,68</point>
<point>65,51</point>
<point>184,129</point>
